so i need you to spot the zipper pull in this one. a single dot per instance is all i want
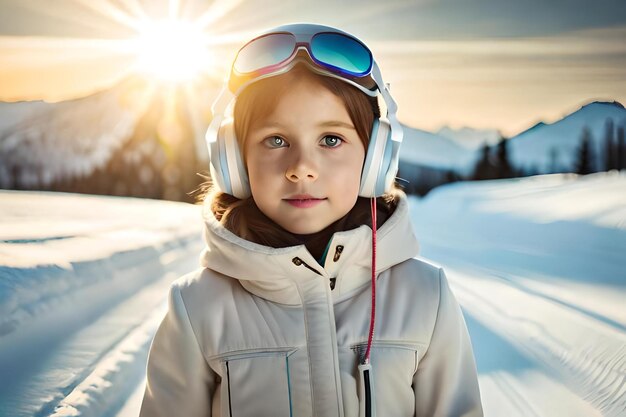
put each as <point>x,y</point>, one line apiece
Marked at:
<point>338,251</point>
<point>367,406</point>
<point>297,261</point>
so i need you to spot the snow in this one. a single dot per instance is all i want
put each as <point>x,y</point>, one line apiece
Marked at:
<point>12,114</point>
<point>536,263</point>
<point>109,383</point>
<point>538,266</point>
<point>470,138</point>
<point>424,148</point>
<point>82,285</point>
<point>45,142</point>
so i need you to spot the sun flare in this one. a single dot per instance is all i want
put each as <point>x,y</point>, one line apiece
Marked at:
<point>172,50</point>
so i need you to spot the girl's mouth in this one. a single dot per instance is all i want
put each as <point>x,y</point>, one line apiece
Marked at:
<point>305,203</point>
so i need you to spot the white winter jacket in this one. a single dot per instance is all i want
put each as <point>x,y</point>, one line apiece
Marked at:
<point>259,332</point>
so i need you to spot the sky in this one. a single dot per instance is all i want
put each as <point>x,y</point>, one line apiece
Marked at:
<point>499,64</point>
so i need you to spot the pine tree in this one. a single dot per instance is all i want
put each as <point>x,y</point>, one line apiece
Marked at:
<point>620,149</point>
<point>451,176</point>
<point>584,154</point>
<point>485,169</point>
<point>610,151</point>
<point>503,166</point>
<point>554,157</point>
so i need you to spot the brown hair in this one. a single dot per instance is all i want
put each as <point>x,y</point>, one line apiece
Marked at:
<point>242,216</point>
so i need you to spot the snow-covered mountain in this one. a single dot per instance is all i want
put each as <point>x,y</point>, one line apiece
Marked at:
<point>137,138</point>
<point>13,114</point>
<point>470,138</point>
<point>423,148</point>
<point>41,142</point>
<point>555,147</point>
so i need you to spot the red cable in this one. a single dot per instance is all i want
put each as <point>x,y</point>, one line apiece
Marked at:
<point>373,315</point>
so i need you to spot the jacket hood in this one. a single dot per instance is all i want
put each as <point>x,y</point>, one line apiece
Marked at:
<point>278,274</point>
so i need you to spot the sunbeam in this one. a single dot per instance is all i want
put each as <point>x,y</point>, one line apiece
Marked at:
<point>173,8</point>
<point>134,7</point>
<point>111,11</point>
<point>56,69</point>
<point>217,10</point>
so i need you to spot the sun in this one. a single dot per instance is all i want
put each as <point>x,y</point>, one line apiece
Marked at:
<point>171,50</point>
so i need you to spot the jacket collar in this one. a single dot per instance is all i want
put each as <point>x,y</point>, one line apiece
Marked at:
<point>282,274</point>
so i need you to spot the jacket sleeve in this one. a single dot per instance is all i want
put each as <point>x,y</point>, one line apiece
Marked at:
<point>179,381</point>
<point>446,381</point>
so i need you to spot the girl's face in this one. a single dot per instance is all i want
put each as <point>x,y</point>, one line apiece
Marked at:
<point>307,146</point>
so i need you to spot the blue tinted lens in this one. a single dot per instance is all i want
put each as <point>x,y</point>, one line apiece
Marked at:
<point>264,52</point>
<point>342,52</point>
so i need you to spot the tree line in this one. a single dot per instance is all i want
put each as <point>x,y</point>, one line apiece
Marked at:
<point>494,162</point>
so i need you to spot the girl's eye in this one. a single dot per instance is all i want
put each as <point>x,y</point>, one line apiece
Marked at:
<point>275,142</point>
<point>332,141</point>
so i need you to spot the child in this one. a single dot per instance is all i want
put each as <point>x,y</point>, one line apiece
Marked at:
<point>287,317</point>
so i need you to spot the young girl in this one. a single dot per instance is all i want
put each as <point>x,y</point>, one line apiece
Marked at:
<point>310,301</point>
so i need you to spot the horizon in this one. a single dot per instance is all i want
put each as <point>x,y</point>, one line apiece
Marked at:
<point>490,65</point>
<point>436,131</point>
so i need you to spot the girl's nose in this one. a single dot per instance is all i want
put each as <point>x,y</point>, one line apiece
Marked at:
<point>302,167</point>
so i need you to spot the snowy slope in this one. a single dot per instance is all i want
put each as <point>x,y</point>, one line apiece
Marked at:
<point>534,146</point>
<point>428,149</point>
<point>13,114</point>
<point>538,266</point>
<point>470,138</point>
<point>82,285</point>
<point>536,263</point>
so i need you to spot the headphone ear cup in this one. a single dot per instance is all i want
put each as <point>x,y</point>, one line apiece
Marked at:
<point>217,161</point>
<point>227,167</point>
<point>378,160</point>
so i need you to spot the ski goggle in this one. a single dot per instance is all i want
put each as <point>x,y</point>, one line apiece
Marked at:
<point>335,54</point>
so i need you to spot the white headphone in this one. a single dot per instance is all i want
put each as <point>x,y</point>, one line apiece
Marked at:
<point>381,160</point>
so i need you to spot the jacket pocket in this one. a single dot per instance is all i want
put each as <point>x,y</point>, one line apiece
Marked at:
<point>393,365</point>
<point>257,383</point>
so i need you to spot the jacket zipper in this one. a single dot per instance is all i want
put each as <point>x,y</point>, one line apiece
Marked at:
<point>368,394</point>
<point>299,262</point>
<point>230,406</point>
<point>367,407</point>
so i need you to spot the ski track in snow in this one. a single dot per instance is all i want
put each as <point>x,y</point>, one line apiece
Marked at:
<point>81,295</point>
<point>584,353</point>
<point>541,282</point>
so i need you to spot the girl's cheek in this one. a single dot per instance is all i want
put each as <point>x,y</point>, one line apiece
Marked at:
<point>338,156</point>
<point>259,152</point>
<point>269,159</point>
<point>266,163</point>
